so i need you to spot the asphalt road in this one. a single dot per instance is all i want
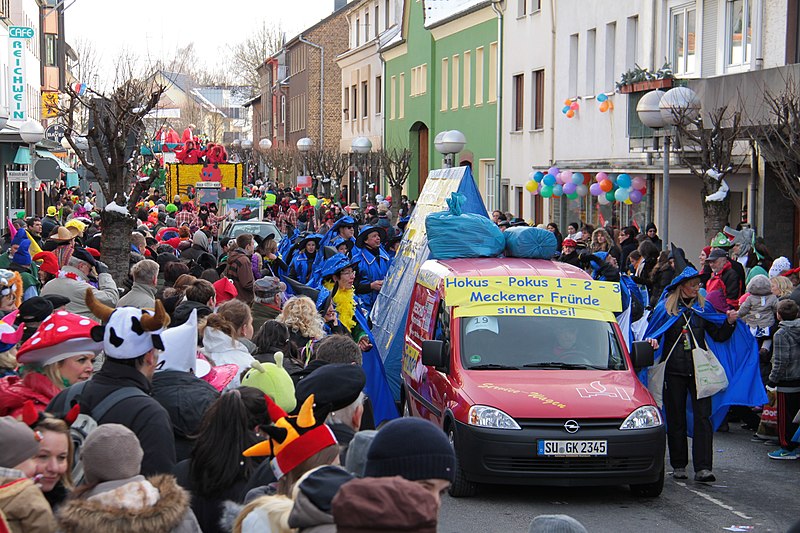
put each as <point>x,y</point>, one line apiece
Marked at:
<point>751,490</point>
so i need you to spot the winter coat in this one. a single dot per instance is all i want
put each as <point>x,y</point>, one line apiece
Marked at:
<point>571,258</point>
<point>23,505</point>
<point>661,279</point>
<point>627,247</point>
<point>141,296</point>
<point>15,391</point>
<point>728,283</point>
<point>131,505</point>
<point>302,266</point>
<point>308,518</point>
<point>785,372</point>
<point>681,361</point>
<point>224,350</point>
<point>193,253</point>
<point>142,415</point>
<point>239,270</point>
<point>372,266</point>
<point>263,312</point>
<point>185,308</point>
<point>758,309</point>
<point>75,290</point>
<point>186,398</point>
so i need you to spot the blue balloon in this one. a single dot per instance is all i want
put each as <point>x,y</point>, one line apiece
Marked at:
<point>602,97</point>
<point>565,109</point>
<point>558,190</point>
<point>549,180</point>
<point>538,176</point>
<point>577,178</point>
<point>623,181</point>
<point>621,195</point>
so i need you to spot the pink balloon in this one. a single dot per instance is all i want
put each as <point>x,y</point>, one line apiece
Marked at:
<point>566,175</point>
<point>595,189</point>
<point>600,177</point>
<point>638,182</point>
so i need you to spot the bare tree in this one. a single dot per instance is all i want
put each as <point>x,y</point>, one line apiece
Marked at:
<point>116,130</point>
<point>707,146</point>
<point>284,160</point>
<point>396,163</point>
<point>779,139</point>
<point>248,54</point>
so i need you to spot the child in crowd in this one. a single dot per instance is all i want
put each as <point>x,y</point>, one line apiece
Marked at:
<point>758,312</point>
<point>784,379</point>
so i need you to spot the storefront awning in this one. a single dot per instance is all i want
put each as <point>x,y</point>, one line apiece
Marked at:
<point>23,157</point>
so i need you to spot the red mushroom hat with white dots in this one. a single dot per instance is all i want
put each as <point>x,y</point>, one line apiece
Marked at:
<point>59,336</point>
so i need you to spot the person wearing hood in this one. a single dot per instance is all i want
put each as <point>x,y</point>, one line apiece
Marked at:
<point>784,378</point>
<point>651,233</point>
<point>178,389</point>
<point>199,246</point>
<point>143,291</point>
<point>223,335</point>
<point>116,497</point>
<point>373,264</point>
<point>313,495</point>
<point>598,265</point>
<point>569,253</point>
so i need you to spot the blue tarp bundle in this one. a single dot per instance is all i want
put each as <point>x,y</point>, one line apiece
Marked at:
<point>454,234</point>
<point>533,243</point>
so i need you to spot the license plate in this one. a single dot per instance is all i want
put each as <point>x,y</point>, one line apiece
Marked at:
<point>572,448</point>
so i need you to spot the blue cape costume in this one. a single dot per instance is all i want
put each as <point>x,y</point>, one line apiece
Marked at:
<point>738,356</point>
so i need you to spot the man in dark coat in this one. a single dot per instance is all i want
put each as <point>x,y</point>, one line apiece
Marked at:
<point>627,244</point>
<point>240,268</point>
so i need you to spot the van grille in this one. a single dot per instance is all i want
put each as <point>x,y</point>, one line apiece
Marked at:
<point>558,423</point>
<point>571,464</point>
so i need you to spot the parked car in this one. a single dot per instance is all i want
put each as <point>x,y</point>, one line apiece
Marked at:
<point>256,227</point>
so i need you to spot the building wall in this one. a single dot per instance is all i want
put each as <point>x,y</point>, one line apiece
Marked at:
<point>408,115</point>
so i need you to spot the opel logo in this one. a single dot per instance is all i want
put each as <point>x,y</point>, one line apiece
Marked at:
<point>571,426</point>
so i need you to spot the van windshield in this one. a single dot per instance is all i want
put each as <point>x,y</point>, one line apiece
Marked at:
<point>524,342</point>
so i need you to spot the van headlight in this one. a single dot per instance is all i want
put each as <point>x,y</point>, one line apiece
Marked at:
<point>489,417</point>
<point>643,418</point>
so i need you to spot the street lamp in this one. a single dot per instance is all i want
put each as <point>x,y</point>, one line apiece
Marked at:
<point>449,143</point>
<point>247,147</point>
<point>264,145</point>
<point>304,145</point>
<point>660,110</point>
<point>361,146</point>
<point>31,132</point>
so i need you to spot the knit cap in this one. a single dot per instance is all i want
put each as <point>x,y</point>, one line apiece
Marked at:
<point>23,255</point>
<point>412,448</point>
<point>18,442</point>
<point>779,266</point>
<point>356,459</point>
<point>556,523</point>
<point>111,452</point>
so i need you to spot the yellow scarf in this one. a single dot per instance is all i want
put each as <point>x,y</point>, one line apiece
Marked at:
<point>345,304</point>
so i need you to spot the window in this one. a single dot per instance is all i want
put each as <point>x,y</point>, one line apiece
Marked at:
<point>346,104</point>
<point>282,117</point>
<point>386,14</point>
<point>610,56</point>
<point>454,84</point>
<point>354,109</point>
<point>392,97</point>
<point>364,99</point>
<point>536,5</point>
<point>537,99</point>
<point>591,56</point>
<point>467,79</point>
<point>479,75</point>
<point>739,29</point>
<point>572,88</point>
<point>522,8</point>
<point>366,26</point>
<point>488,177</point>
<point>631,42</point>
<point>378,95</point>
<point>50,50</point>
<point>377,18</point>
<point>683,38</point>
<point>518,88</point>
<point>445,69</point>
<point>419,80</point>
<point>492,73</point>
<point>357,30</point>
<point>402,93</point>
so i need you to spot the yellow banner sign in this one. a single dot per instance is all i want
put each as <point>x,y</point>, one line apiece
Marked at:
<point>544,310</point>
<point>545,292</point>
<point>50,105</point>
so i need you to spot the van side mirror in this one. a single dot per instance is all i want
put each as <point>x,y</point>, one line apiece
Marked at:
<point>433,353</point>
<point>642,355</point>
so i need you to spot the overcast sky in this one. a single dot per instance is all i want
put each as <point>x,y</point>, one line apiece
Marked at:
<point>153,28</point>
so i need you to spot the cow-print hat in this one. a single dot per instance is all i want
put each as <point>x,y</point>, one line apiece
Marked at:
<point>127,332</point>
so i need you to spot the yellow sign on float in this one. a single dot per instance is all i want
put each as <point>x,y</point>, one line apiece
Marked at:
<point>532,310</point>
<point>532,291</point>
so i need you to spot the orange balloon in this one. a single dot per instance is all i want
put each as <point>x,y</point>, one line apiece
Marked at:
<point>604,107</point>
<point>567,102</point>
<point>570,113</point>
<point>610,105</point>
<point>606,185</point>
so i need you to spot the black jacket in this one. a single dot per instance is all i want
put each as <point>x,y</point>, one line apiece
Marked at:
<point>571,259</point>
<point>144,416</point>
<point>661,279</point>
<point>184,309</point>
<point>186,398</point>
<point>627,247</point>
<point>680,361</point>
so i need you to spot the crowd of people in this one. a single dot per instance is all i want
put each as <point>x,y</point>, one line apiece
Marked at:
<point>233,384</point>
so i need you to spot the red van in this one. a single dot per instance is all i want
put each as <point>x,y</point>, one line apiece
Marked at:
<point>521,363</point>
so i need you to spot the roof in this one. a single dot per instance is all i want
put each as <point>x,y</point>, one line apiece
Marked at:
<point>440,11</point>
<point>503,266</point>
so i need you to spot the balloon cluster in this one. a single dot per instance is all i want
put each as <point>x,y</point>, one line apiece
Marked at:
<point>621,188</point>
<point>556,183</point>
<point>605,103</point>
<point>570,107</point>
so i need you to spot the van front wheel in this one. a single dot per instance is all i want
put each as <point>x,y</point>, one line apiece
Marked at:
<point>461,486</point>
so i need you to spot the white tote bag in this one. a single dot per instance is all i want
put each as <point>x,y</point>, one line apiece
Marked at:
<point>709,376</point>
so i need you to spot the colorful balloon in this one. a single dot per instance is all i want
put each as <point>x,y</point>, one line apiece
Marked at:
<point>595,189</point>
<point>538,176</point>
<point>570,113</point>
<point>569,188</point>
<point>573,196</point>
<point>531,186</point>
<point>553,170</point>
<point>565,109</point>
<point>623,181</point>
<point>558,190</point>
<point>547,191</point>
<point>610,196</point>
<point>549,180</point>
<point>567,102</point>
<point>627,201</point>
<point>635,196</point>
<point>621,195</point>
<point>638,182</point>
<point>600,177</point>
<point>602,97</point>
<point>604,106</point>
<point>602,200</point>
<point>574,106</point>
<point>577,178</point>
<point>582,190</point>
<point>566,176</point>
<point>606,185</point>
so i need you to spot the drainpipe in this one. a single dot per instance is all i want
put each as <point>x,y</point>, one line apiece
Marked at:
<point>552,82</point>
<point>498,186</point>
<point>653,17</point>
<point>321,87</point>
<point>758,46</point>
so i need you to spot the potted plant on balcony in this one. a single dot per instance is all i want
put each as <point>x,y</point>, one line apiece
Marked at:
<point>640,79</point>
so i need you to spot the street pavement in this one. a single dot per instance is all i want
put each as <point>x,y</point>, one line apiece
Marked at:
<point>752,490</point>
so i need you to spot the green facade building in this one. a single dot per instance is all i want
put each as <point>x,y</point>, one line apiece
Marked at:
<point>441,73</point>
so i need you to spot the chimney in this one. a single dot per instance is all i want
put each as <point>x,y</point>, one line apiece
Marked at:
<point>338,4</point>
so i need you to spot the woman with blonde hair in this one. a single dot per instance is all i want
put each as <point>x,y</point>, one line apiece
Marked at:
<point>300,315</point>
<point>602,242</point>
<point>53,463</point>
<point>781,286</point>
